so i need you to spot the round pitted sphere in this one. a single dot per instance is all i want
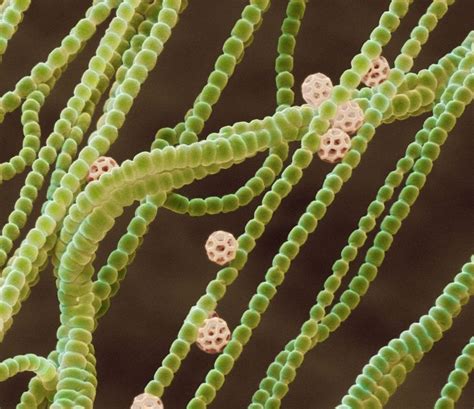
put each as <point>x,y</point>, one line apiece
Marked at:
<point>147,401</point>
<point>213,336</point>
<point>221,247</point>
<point>316,89</point>
<point>378,72</point>
<point>349,117</point>
<point>101,165</point>
<point>334,145</point>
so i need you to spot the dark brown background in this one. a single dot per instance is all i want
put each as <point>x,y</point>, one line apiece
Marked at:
<point>171,270</point>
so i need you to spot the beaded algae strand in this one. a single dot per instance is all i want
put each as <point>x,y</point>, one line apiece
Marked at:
<point>88,191</point>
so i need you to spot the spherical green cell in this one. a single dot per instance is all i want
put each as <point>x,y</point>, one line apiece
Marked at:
<point>371,49</point>
<point>242,334</point>
<point>428,21</point>
<point>234,348</point>
<point>431,327</point>
<point>324,298</point>
<point>84,30</point>
<point>251,319</point>
<point>10,101</point>
<point>284,80</point>
<point>206,392</point>
<point>216,289</point>
<point>274,370</point>
<point>206,302</point>
<point>289,249</point>
<point>215,378</point>
<point>302,343</point>
<point>180,348</point>
<point>25,87</point>
<point>360,64</point>
<point>99,13</point>
<point>340,94</point>
<point>233,46</point>
<point>422,337</point>
<point>438,136</point>
<point>286,44</point>
<point>417,179</point>
<point>164,375</point>
<point>381,35</point>
<point>187,333</point>
<point>447,121</point>
<point>267,290</point>
<point>224,363</point>
<point>352,158</point>
<point>400,210</point>
<point>412,48</point>
<point>252,13</point>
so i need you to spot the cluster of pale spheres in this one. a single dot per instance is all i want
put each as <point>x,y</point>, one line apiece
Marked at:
<point>317,88</point>
<point>221,246</point>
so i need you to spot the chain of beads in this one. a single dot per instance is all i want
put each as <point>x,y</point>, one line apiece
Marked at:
<point>458,378</point>
<point>388,369</point>
<point>350,298</point>
<point>73,222</point>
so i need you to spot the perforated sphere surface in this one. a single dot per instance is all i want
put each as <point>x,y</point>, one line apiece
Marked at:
<point>147,401</point>
<point>378,72</point>
<point>349,117</point>
<point>221,247</point>
<point>316,89</point>
<point>213,336</point>
<point>334,145</point>
<point>101,165</point>
<point>108,282</point>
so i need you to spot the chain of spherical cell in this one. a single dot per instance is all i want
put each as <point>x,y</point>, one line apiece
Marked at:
<point>399,211</point>
<point>340,268</point>
<point>112,272</point>
<point>71,122</point>
<point>77,118</point>
<point>63,265</point>
<point>458,378</point>
<point>389,367</point>
<point>233,349</point>
<point>11,16</point>
<point>36,178</point>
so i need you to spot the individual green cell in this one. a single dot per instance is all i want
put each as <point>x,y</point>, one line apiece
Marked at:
<point>233,46</point>
<point>197,207</point>
<point>324,298</point>
<point>187,333</point>
<point>216,289</point>
<point>251,319</point>
<point>224,363</point>
<point>243,29</point>
<point>349,253</point>
<point>428,21</point>
<point>215,378</point>
<point>206,392</point>
<point>360,64</point>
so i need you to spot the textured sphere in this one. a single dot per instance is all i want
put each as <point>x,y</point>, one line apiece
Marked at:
<point>316,89</point>
<point>349,117</point>
<point>378,72</point>
<point>334,145</point>
<point>101,165</point>
<point>221,247</point>
<point>213,336</point>
<point>147,401</point>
